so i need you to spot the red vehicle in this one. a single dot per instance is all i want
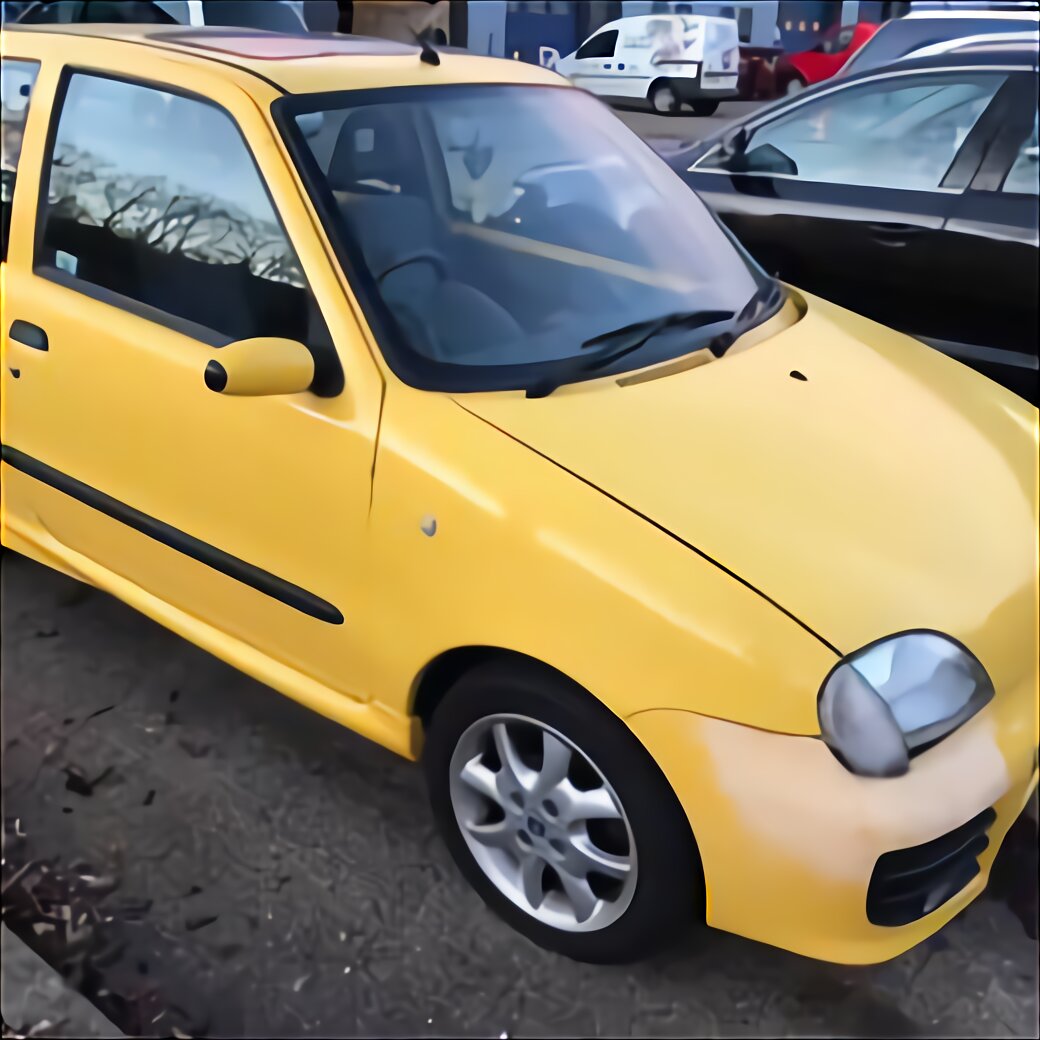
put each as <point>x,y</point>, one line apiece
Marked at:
<point>794,72</point>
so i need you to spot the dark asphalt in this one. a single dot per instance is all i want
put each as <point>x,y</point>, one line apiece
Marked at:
<point>252,869</point>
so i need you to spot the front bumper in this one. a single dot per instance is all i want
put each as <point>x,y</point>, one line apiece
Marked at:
<point>789,839</point>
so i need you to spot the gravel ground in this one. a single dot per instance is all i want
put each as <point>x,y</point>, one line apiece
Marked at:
<point>232,864</point>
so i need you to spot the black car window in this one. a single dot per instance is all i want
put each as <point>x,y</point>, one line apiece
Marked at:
<point>899,37</point>
<point>71,11</point>
<point>1024,176</point>
<point>885,133</point>
<point>59,12</point>
<point>253,14</point>
<point>18,78</point>
<point>600,46</point>
<point>155,197</point>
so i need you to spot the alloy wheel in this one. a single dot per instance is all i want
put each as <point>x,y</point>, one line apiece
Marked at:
<point>543,823</point>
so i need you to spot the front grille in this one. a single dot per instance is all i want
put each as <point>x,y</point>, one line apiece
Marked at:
<point>909,883</point>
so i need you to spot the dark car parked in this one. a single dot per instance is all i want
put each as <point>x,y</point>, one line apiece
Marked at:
<point>908,194</point>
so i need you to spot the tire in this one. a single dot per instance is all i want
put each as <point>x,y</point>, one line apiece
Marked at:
<point>664,98</point>
<point>636,911</point>
<point>704,108</point>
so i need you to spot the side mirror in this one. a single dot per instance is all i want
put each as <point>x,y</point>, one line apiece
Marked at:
<point>735,142</point>
<point>262,367</point>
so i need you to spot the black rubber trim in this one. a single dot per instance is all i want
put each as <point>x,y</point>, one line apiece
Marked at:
<point>261,580</point>
<point>908,884</point>
<point>660,527</point>
<point>28,334</point>
<point>215,376</point>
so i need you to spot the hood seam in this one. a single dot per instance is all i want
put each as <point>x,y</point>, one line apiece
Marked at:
<point>660,527</point>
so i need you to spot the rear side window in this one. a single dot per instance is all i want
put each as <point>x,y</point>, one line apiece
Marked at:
<point>601,46</point>
<point>155,197</point>
<point>17,79</point>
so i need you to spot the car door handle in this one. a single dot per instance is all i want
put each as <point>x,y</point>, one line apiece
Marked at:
<point>891,229</point>
<point>29,335</point>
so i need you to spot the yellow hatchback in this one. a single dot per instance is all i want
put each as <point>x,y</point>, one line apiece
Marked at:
<point>417,387</point>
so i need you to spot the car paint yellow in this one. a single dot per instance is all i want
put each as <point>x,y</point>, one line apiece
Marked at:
<point>264,366</point>
<point>692,546</point>
<point>789,838</point>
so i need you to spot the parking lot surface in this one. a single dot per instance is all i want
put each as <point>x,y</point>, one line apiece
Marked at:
<point>233,864</point>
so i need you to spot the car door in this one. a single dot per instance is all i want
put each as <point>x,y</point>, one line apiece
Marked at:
<point>846,192</point>
<point>159,239</point>
<point>593,64</point>
<point>993,229</point>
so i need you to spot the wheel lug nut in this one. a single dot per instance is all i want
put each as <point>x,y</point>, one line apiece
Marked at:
<point>524,838</point>
<point>549,806</point>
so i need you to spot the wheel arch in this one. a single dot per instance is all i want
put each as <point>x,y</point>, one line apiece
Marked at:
<point>439,674</point>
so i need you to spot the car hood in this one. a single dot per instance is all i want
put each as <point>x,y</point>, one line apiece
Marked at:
<point>889,489</point>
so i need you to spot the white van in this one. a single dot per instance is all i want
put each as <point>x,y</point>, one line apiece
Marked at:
<point>666,58</point>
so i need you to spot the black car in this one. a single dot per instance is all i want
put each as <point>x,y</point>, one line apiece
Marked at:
<point>907,193</point>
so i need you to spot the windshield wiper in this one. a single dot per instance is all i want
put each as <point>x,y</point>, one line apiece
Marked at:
<point>762,305</point>
<point>608,347</point>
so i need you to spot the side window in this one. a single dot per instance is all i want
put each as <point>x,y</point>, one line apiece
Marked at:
<point>600,46</point>
<point>57,12</point>
<point>1024,176</point>
<point>16,82</point>
<point>155,197</point>
<point>886,134</point>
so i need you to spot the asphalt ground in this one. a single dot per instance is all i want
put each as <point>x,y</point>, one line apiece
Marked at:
<point>198,852</point>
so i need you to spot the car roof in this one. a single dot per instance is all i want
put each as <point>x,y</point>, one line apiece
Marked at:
<point>1021,53</point>
<point>971,12</point>
<point>946,46</point>
<point>303,63</point>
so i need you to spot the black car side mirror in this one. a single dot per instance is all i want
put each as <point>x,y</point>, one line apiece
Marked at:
<point>735,142</point>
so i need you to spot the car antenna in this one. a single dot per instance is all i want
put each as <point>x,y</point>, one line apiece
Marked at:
<point>427,52</point>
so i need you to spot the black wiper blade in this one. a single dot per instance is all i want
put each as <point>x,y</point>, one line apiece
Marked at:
<point>763,304</point>
<point>608,347</point>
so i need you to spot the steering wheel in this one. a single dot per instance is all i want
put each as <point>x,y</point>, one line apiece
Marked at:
<point>417,256</point>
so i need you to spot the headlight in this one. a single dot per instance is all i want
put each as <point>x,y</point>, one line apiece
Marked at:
<point>883,703</point>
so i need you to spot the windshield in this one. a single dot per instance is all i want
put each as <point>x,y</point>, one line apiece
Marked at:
<point>492,230</point>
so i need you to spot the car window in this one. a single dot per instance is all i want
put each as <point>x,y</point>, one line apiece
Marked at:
<point>58,12</point>
<point>492,229</point>
<point>71,11</point>
<point>16,82</point>
<point>155,197</point>
<point>600,46</point>
<point>837,42</point>
<point>892,133</point>
<point>1024,176</point>
<point>897,38</point>
<point>253,14</point>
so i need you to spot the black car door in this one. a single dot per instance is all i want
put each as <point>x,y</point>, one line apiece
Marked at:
<point>992,236</point>
<point>845,193</point>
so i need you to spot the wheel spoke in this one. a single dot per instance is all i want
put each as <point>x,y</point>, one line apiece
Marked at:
<point>586,858</point>
<point>579,892</point>
<point>494,835</point>
<point>512,766</point>
<point>595,804</point>
<point>531,872</point>
<point>556,760</point>
<point>481,779</point>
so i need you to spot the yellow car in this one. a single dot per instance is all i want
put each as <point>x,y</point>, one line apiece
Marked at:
<point>417,387</point>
